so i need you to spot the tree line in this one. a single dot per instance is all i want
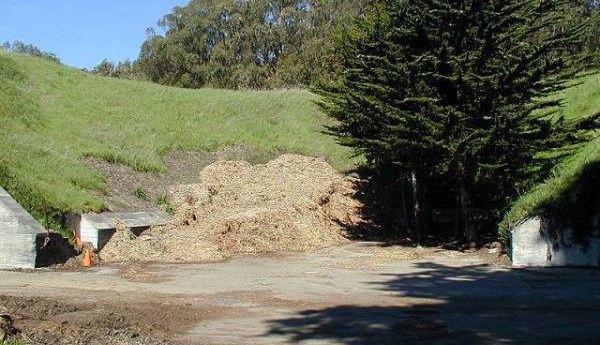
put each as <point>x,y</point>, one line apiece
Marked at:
<point>28,49</point>
<point>257,44</point>
<point>252,44</point>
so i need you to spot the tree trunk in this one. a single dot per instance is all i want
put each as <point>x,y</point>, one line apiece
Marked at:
<point>421,205</point>
<point>468,222</point>
<point>404,205</point>
<point>416,205</point>
<point>425,208</point>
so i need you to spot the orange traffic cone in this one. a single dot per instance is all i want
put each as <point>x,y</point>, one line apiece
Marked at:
<point>77,239</point>
<point>88,260</point>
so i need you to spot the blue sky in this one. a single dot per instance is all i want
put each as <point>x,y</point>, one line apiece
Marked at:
<point>83,32</point>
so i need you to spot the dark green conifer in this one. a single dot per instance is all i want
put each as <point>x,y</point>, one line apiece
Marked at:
<point>459,91</point>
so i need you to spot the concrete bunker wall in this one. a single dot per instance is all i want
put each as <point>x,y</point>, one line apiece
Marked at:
<point>20,232</point>
<point>534,243</point>
<point>18,251</point>
<point>98,228</point>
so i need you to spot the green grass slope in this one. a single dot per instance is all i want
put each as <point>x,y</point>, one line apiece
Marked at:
<point>52,116</point>
<point>581,100</point>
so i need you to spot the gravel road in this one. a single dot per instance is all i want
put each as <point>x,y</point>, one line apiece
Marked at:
<point>361,293</point>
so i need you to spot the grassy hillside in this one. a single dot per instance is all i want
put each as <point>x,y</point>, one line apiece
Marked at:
<point>52,116</point>
<point>583,99</point>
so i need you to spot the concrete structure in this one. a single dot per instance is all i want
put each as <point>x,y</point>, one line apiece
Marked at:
<point>98,228</point>
<point>20,235</point>
<point>535,243</point>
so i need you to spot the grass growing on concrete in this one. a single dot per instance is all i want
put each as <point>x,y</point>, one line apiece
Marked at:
<point>52,116</point>
<point>581,100</point>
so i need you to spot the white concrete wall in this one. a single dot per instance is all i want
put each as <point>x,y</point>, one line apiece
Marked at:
<point>533,245</point>
<point>98,228</point>
<point>18,252</point>
<point>88,232</point>
<point>18,233</point>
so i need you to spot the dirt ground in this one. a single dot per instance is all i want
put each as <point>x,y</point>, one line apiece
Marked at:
<point>130,190</point>
<point>360,293</point>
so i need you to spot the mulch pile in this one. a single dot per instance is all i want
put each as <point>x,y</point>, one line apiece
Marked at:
<point>291,204</point>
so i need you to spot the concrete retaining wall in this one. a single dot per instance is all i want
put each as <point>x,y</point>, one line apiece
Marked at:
<point>534,243</point>
<point>18,251</point>
<point>18,234</point>
<point>88,232</point>
<point>98,228</point>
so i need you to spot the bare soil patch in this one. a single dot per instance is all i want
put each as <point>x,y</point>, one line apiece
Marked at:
<point>130,190</point>
<point>103,319</point>
<point>443,297</point>
<point>379,256</point>
<point>141,272</point>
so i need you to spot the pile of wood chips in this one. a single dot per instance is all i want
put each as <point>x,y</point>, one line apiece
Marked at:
<point>291,204</point>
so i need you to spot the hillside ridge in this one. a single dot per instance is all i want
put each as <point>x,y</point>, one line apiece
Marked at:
<point>55,116</point>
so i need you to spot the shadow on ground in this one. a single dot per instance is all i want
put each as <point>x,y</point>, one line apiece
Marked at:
<point>474,305</point>
<point>387,214</point>
<point>53,249</point>
<point>382,212</point>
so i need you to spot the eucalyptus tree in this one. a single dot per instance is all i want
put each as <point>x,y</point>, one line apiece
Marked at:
<point>246,44</point>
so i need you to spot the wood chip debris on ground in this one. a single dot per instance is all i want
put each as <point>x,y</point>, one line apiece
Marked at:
<point>291,204</point>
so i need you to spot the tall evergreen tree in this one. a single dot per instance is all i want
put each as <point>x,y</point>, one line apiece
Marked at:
<point>453,90</point>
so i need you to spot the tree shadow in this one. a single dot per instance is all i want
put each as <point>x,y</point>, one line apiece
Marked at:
<point>575,204</point>
<point>381,214</point>
<point>53,249</point>
<point>438,304</point>
<point>387,212</point>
